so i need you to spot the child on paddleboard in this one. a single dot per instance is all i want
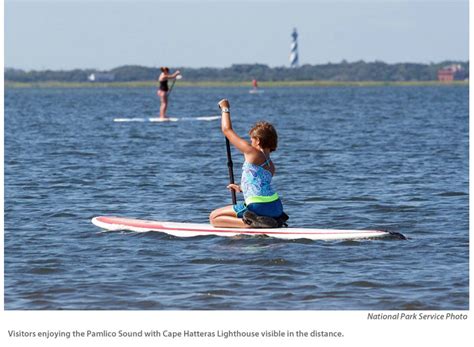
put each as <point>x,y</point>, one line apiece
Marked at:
<point>262,207</point>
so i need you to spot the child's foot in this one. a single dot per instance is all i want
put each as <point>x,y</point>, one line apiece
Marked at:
<point>256,221</point>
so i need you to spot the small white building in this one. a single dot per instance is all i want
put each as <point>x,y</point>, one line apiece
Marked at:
<point>101,77</point>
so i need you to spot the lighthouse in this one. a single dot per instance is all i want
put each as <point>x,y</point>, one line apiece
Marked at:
<point>294,49</point>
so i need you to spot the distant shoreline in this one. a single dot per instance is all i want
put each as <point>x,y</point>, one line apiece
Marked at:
<point>216,84</point>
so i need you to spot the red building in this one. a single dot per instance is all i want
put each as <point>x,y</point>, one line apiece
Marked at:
<point>445,75</point>
<point>451,73</point>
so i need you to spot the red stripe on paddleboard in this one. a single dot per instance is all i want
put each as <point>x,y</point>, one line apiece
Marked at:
<point>153,225</point>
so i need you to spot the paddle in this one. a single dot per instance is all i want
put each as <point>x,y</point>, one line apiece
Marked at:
<point>174,81</point>
<point>231,170</point>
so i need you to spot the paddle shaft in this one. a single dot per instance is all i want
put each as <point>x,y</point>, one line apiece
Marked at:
<point>231,170</point>
<point>171,88</point>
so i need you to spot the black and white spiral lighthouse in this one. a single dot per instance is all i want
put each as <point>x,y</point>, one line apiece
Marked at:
<point>294,49</point>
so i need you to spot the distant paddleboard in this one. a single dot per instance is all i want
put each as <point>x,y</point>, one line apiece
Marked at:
<point>124,120</point>
<point>130,119</point>
<point>168,119</point>
<point>208,118</point>
<point>256,91</point>
<point>194,229</point>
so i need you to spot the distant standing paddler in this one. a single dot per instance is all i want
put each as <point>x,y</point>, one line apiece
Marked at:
<point>254,84</point>
<point>164,89</point>
<point>255,89</point>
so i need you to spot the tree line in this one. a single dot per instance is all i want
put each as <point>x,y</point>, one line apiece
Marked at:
<point>343,71</point>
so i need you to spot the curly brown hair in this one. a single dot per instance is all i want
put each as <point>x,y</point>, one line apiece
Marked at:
<point>266,133</point>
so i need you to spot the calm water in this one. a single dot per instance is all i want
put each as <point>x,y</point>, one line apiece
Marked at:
<point>387,157</point>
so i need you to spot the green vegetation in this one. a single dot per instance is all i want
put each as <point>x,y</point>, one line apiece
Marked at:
<point>343,73</point>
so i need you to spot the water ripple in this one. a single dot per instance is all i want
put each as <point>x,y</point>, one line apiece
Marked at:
<point>396,159</point>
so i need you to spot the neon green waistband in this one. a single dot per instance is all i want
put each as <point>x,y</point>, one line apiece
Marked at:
<point>260,199</point>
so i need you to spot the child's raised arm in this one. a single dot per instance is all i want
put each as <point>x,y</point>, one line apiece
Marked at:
<point>226,126</point>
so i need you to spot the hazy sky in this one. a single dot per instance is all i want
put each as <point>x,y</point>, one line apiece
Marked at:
<point>67,34</point>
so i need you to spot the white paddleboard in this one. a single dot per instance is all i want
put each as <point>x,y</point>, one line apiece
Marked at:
<point>256,91</point>
<point>208,118</point>
<point>129,119</point>
<point>169,119</point>
<point>194,229</point>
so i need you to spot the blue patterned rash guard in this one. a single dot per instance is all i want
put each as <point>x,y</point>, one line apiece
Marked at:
<point>256,184</point>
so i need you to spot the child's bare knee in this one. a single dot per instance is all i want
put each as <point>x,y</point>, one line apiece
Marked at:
<point>212,217</point>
